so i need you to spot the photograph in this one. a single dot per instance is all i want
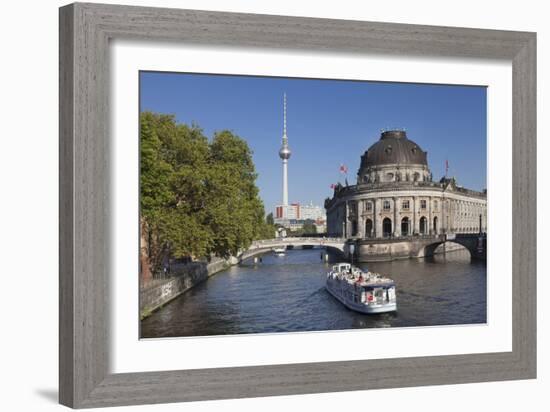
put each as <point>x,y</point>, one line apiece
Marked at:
<point>280,205</point>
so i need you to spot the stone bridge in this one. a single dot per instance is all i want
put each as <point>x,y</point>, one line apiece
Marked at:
<point>367,250</point>
<point>475,243</point>
<point>260,247</point>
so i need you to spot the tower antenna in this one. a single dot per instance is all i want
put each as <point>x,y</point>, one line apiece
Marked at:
<point>284,116</point>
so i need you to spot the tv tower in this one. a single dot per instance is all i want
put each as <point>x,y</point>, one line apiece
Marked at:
<point>284,154</point>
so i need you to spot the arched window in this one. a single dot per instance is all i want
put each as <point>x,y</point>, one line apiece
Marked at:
<point>386,227</point>
<point>354,227</point>
<point>435,224</point>
<point>423,225</point>
<point>405,226</point>
<point>368,228</point>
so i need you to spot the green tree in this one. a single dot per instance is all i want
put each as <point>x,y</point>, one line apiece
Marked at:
<point>235,210</point>
<point>188,152</point>
<point>309,227</point>
<point>155,193</point>
<point>197,198</point>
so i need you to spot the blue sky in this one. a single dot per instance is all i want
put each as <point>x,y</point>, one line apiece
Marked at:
<point>330,122</point>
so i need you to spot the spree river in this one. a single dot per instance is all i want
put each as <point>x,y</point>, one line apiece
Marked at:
<point>287,294</point>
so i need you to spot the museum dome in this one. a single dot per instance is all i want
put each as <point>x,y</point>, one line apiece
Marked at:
<point>394,148</point>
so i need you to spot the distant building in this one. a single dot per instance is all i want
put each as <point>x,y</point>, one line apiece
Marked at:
<point>300,212</point>
<point>297,215</point>
<point>312,212</point>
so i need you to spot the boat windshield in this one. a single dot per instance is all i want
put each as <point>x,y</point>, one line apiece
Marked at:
<point>341,267</point>
<point>370,288</point>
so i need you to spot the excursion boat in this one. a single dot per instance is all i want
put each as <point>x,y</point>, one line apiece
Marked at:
<point>279,251</point>
<point>364,292</point>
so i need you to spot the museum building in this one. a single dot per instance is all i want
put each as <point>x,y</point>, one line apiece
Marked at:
<point>396,197</point>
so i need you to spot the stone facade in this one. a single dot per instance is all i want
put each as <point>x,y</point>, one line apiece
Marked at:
<point>396,197</point>
<point>394,210</point>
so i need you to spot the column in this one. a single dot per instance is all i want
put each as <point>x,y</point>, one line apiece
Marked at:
<point>374,218</point>
<point>415,218</point>
<point>395,225</point>
<point>379,219</point>
<point>430,215</point>
<point>360,218</point>
<point>342,228</point>
<point>346,224</point>
<point>443,224</point>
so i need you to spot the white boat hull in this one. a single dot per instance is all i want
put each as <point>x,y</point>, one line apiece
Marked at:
<point>279,251</point>
<point>360,307</point>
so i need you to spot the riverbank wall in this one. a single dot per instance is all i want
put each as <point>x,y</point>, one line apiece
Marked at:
<point>159,292</point>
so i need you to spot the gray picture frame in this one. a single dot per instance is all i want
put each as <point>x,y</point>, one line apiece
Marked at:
<point>85,32</point>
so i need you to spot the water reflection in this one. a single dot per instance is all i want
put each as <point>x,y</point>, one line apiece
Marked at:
<point>287,294</point>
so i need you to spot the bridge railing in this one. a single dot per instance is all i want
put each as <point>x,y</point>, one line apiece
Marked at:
<point>309,240</point>
<point>392,239</point>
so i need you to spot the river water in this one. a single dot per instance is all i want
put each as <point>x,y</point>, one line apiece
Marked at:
<point>287,294</point>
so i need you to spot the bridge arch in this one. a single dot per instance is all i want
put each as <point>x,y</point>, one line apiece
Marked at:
<point>471,242</point>
<point>265,246</point>
<point>429,249</point>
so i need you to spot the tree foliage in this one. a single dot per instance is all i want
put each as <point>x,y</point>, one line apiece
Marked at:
<point>308,228</point>
<point>197,197</point>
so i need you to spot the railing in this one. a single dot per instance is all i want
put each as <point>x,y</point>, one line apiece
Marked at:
<point>171,270</point>
<point>290,240</point>
<point>409,238</point>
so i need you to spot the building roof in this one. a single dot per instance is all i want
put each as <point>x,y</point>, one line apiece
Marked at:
<point>394,148</point>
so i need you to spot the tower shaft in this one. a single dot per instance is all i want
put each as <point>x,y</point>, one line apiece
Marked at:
<point>285,182</point>
<point>284,154</point>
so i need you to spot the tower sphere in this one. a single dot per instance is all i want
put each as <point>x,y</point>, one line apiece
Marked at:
<point>285,152</point>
